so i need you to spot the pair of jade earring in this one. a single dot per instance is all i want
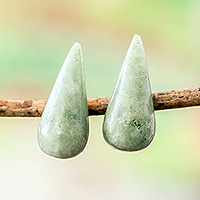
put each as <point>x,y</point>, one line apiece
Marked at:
<point>129,122</point>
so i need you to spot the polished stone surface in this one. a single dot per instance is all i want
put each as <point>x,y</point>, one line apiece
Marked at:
<point>63,129</point>
<point>129,122</point>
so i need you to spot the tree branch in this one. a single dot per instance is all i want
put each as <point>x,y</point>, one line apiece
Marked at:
<point>97,106</point>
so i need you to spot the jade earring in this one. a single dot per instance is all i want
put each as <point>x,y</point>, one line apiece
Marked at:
<point>129,122</point>
<point>63,129</point>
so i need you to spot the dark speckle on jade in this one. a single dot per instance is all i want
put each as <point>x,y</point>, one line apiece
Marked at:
<point>129,122</point>
<point>63,129</point>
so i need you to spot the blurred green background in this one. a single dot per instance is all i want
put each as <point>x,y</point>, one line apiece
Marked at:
<point>36,36</point>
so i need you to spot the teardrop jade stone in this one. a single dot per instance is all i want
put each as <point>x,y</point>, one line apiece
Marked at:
<point>129,122</point>
<point>63,129</point>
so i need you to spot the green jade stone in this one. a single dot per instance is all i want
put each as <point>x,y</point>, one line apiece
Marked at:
<point>129,122</point>
<point>63,129</point>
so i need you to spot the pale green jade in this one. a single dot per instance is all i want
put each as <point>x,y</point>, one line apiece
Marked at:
<point>129,122</point>
<point>63,129</point>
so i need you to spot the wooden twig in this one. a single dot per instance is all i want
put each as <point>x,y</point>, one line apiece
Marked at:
<point>97,106</point>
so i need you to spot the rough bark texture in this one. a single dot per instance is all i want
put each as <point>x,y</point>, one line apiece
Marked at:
<point>97,106</point>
